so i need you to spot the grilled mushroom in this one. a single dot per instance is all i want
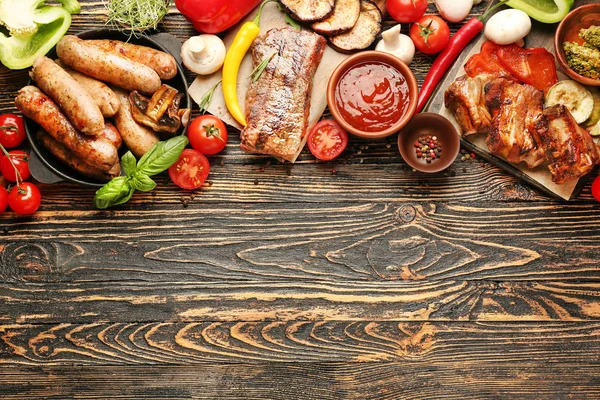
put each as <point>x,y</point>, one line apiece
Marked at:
<point>161,112</point>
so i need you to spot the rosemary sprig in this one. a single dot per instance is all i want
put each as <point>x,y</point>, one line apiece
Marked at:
<point>257,72</point>
<point>206,100</point>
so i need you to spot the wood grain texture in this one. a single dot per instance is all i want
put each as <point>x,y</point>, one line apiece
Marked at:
<point>288,301</point>
<point>318,242</point>
<point>436,343</point>
<point>312,381</point>
<point>353,279</point>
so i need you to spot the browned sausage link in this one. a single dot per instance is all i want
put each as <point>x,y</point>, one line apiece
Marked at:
<point>74,100</point>
<point>163,63</point>
<point>105,98</point>
<point>96,152</point>
<point>111,134</point>
<point>136,137</point>
<point>107,67</point>
<point>72,161</point>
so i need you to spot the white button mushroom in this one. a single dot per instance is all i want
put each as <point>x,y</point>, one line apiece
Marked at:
<point>203,54</point>
<point>397,44</point>
<point>454,10</point>
<point>508,26</point>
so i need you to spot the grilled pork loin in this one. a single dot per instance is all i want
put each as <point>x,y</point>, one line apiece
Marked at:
<point>465,98</point>
<point>278,103</point>
<point>570,149</point>
<point>515,109</point>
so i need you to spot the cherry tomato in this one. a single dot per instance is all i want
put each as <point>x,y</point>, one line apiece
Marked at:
<point>327,140</point>
<point>24,199</point>
<point>596,188</point>
<point>3,199</point>
<point>12,130</point>
<point>191,170</point>
<point>20,159</point>
<point>207,134</point>
<point>406,11</point>
<point>430,34</point>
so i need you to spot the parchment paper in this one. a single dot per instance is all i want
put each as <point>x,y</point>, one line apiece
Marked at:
<point>271,18</point>
<point>541,38</point>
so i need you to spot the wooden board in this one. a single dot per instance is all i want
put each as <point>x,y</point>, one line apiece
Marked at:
<point>542,35</point>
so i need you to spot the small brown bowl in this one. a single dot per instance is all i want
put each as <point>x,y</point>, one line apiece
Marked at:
<point>426,124</point>
<point>379,56</point>
<point>568,31</point>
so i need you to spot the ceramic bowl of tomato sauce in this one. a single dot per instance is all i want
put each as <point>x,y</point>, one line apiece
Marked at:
<point>372,94</point>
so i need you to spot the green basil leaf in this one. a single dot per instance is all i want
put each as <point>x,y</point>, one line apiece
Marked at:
<point>117,191</point>
<point>128,163</point>
<point>161,156</point>
<point>142,182</point>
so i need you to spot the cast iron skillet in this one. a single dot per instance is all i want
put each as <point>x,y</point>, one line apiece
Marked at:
<point>162,42</point>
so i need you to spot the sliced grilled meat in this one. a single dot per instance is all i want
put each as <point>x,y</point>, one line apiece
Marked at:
<point>466,100</point>
<point>344,17</point>
<point>570,149</point>
<point>278,103</point>
<point>516,109</point>
<point>364,32</point>
<point>309,10</point>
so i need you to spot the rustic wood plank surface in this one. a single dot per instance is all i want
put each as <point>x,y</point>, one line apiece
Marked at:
<point>353,279</point>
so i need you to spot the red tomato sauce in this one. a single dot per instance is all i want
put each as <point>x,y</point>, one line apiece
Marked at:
<point>372,96</point>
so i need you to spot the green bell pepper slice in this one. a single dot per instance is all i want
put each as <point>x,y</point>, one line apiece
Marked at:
<point>31,29</point>
<point>546,11</point>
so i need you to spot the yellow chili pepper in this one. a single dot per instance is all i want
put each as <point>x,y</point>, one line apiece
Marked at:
<point>231,66</point>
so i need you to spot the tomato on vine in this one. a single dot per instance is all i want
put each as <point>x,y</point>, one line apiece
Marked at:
<point>24,198</point>
<point>18,168</point>
<point>12,130</point>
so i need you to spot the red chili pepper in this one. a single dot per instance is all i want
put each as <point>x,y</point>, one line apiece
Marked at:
<point>457,44</point>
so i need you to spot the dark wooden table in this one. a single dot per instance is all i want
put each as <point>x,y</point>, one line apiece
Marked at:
<point>356,279</point>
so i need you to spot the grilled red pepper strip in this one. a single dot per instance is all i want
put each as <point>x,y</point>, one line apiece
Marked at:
<point>444,61</point>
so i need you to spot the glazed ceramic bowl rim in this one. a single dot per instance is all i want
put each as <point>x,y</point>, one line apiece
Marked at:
<point>47,159</point>
<point>365,56</point>
<point>441,166</point>
<point>558,48</point>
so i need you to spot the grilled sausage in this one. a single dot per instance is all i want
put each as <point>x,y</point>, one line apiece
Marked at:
<point>111,134</point>
<point>73,99</point>
<point>74,162</point>
<point>163,63</point>
<point>137,138</point>
<point>107,67</point>
<point>103,96</point>
<point>97,152</point>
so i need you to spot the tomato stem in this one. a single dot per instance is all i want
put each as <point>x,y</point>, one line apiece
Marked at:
<point>426,31</point>
<point>17,173</point>
<point>212,130</point>
<point>9,128</point>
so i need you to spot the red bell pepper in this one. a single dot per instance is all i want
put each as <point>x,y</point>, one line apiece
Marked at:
<point>214,16</point>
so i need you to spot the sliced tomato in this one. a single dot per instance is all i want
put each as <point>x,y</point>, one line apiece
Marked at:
<point>191,170</point>
<point>486,62</point>
<point>327,140</point>
<point>536,66</point>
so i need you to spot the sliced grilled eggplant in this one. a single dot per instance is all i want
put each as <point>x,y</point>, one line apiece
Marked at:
<point>364,32</point>
<point>309,10</point>
<point>344,17</point>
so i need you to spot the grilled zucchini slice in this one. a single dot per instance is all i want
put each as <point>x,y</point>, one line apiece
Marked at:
<point>575,97</point>
<point>364,32</point>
